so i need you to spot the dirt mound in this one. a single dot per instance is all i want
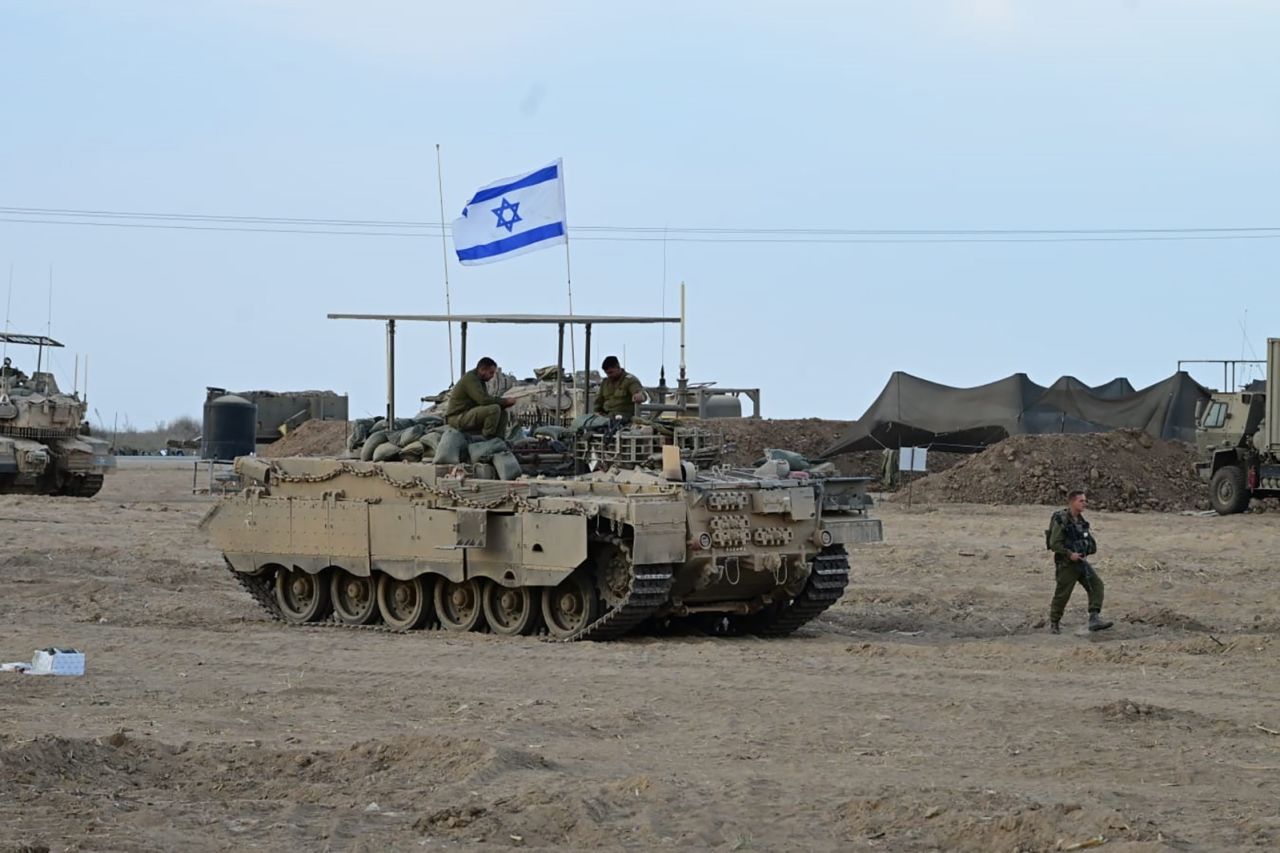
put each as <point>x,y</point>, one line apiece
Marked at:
<point>1124,470</point>
<point>747,438</point>
<point>1163,617</point>
<point>364,769</point>
<point>312,438</point>
<point>1125,710</point>
<point>983,820</point>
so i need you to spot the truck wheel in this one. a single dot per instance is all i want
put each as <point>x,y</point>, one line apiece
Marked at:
<point>1228,491</point>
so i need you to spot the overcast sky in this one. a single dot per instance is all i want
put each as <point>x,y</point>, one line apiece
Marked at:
<point>951,114</point>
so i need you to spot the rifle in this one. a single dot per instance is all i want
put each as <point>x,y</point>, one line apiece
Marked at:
<point>1080,545</point>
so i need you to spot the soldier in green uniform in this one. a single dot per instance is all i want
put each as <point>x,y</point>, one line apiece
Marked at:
<point>8,371</point>
<point>471,407</point>
<point>619,392</point>
<point>1071,542</point>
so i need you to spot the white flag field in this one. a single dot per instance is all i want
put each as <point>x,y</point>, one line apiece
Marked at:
<point>513,216</point>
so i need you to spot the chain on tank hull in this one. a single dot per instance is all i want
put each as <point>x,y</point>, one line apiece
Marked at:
<point>402,547</point>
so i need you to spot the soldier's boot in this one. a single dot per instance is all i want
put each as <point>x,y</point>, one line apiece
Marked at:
<point>1097,623</point>
<point>1055,628</point>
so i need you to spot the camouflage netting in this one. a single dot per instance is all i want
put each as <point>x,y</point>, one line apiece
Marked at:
<point>1126,470</point>
<point>914,412</point>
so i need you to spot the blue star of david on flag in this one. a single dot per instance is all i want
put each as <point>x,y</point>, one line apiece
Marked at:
<point>530,216</point>
<point>501,212</point>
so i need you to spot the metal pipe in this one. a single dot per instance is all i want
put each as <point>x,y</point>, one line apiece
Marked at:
<point>464,348</point>
<point>586,370</point>
<point>683,382</point>
<point>560,376</point>
<point>391,374</point>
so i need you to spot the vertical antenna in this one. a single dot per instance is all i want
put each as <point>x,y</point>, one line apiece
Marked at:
<point>48,326</point>
<point>444,254</point>
<point>8,305</point>
<point>662,372</point>
<point>683,383</point>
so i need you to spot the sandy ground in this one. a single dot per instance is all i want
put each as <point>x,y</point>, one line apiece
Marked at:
<point>928,710</point>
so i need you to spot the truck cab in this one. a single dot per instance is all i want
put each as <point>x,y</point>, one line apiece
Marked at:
<point>1239,448</point>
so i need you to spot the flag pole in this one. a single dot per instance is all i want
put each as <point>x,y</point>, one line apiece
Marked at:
<point>573,358</point>
<point>568,275</point>
<point>444,254</point>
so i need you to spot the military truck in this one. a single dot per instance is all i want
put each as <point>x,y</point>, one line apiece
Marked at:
<point>411,545</point>
<point>1238,436</point>
<point>45,445</point>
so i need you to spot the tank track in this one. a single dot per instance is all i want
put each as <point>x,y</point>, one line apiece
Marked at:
<point>649,591</point>
<point>824,587</point>
<point>83,487</point>
<point>260,589</point>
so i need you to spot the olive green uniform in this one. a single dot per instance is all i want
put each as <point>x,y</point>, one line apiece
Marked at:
<point>1067,534</point>
<point>615,396</point>
<point>472,409</point>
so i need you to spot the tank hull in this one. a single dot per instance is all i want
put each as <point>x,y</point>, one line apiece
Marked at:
<point>71,466</point>
<point>590,557</point>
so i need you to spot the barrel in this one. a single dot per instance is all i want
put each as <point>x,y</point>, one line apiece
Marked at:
<point>722,406</point>
<point>230,428</point>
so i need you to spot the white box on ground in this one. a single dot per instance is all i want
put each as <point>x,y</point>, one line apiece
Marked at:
<point>913,458</point>
<point>53,661</point>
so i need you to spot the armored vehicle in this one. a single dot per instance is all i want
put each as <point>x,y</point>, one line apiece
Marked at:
<point>414,545</point>
<point>1238,436</point>
<point>410,545</point>
<point>45,446</point>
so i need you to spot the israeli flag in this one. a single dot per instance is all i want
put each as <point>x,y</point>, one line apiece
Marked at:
<point>512,216</point>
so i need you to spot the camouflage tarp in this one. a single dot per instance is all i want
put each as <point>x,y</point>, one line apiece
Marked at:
<point>913,412</point>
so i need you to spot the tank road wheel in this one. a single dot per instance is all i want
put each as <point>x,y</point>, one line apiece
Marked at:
<point>355,599</point>
<point>511,610</point>
<point>404,605</point>
<point>571,606</point>
<point>302,597</point>
<point>1229,490</point>
<point>459,605</point>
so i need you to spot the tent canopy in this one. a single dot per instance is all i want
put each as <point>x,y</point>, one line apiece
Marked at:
<point>914,412</point>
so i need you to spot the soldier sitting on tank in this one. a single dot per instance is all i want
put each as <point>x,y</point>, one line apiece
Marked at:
<point>619,392</point>
<point>8,371</point>
<point>471,407</point>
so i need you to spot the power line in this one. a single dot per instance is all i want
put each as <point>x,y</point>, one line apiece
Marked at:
<point>616,233</point>
<point>403,223</point>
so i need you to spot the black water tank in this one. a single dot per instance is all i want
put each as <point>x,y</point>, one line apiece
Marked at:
<point>230,427</point>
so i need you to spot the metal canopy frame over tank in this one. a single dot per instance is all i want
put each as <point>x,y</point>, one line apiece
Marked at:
<point>40,341</point>
<point>559,320</point>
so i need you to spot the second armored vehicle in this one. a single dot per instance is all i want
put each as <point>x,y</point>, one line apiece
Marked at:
<point>45,446</point>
